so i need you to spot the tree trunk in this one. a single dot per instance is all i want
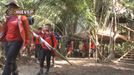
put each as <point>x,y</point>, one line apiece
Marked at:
<point>112,40</point>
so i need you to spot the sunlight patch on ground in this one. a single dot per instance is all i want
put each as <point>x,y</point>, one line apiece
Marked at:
<point>62,62</point>
<point>106,65</point>
<point>72,60</point>
<point>58,66</point>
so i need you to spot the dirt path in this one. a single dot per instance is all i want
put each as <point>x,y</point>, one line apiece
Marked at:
<point>80,67</point>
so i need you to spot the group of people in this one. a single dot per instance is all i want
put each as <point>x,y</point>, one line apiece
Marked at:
<point>42,51</point>
<point>16,37</point>
<point>88,50</point>
<point>83,50</point>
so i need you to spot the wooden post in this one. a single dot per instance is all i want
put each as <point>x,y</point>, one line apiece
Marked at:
<point>89,46</point>
<point>96,44</point>
<point>128,34</point>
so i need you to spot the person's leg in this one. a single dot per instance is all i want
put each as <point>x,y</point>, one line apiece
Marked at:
<point>48,59</point>
<point>6,47</point>
<point>68,54</point>
<point>11,55</point>
<point>36,53</point>
<point>14,69</point>
<point>91,53</point>
<point>7,70</point>
<point>14,65</point>
<point>53,60</point>
<point>87,53</point>
<point>83,54</point>
<point>37,49</point>
<point>41,58</point>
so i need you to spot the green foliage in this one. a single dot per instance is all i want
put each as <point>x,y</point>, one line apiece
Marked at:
<point>120,49</point>
<point>69,16</point>
<point>66,12</point>
<point>128,3</point>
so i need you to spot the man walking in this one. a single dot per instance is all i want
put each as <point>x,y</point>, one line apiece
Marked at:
<point>46,52</point>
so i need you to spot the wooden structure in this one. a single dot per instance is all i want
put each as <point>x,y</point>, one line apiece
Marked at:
<point>128,57</point>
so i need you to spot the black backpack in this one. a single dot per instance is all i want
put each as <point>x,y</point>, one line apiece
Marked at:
<point>30,20</point>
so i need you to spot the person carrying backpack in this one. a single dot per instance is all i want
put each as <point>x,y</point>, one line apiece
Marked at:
<point>46,52</point>
<point>16,36</point>
<point>36,44</point>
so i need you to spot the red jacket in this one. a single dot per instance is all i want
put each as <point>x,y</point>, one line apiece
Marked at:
<point>48,38</point>
<point>13,32</point>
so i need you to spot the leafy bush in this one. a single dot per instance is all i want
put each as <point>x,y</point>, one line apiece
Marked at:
<point>121,48</point>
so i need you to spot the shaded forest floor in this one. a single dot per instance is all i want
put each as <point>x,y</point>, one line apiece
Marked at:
<point>81,66</point>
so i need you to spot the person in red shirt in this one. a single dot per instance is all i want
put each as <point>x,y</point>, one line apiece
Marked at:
<point>16,36</point>
<point>92,46</point>
<point>46,52</point>
<point>36,42</point>
<point>70,44</point>
<point>85,49</point>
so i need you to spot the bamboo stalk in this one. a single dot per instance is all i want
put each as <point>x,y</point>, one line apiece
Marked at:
<point>127,28</point>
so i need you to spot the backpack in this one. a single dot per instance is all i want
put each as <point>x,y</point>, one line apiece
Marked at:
<point>30,20</point>
<point>51,36</point>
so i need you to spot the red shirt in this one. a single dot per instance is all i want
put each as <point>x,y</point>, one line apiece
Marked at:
<point>92,46</point>
<point>85,46</point>
<point>13,32</point>
<point>48,38</point>
<point>70,46</point>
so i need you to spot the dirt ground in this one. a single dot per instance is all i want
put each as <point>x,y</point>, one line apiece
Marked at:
<point>81,66</point>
